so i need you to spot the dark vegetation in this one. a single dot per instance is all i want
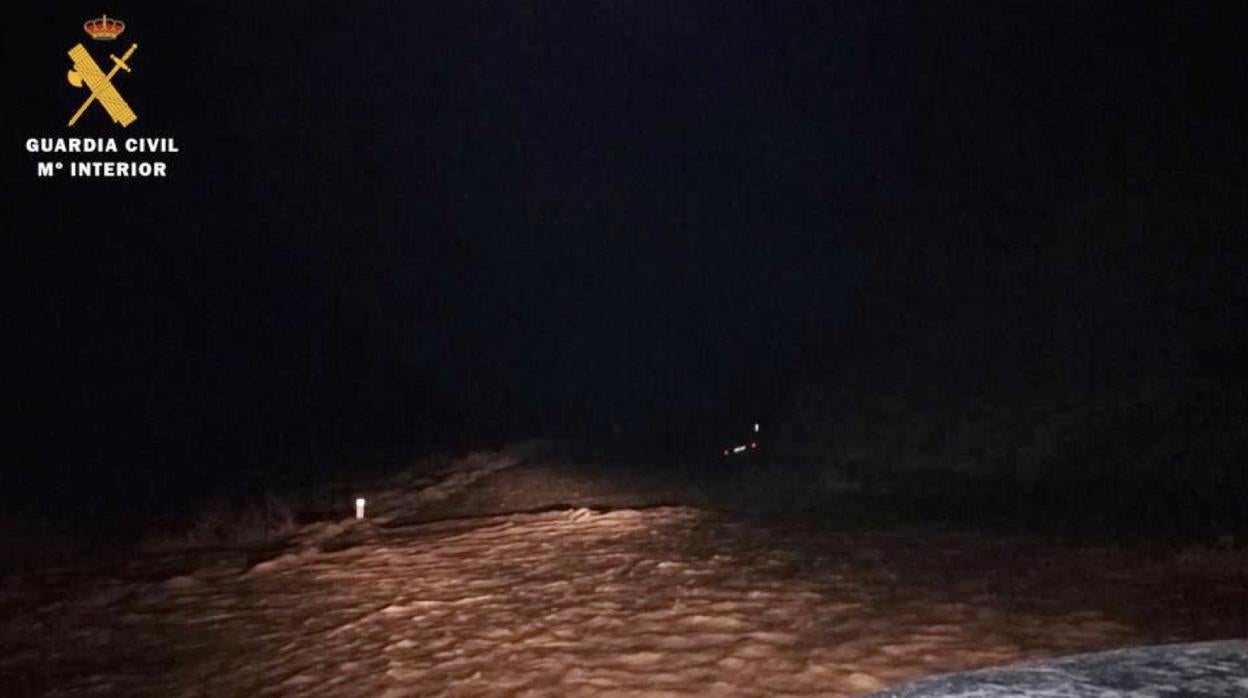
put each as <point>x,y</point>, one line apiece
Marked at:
<point>1087,371</point>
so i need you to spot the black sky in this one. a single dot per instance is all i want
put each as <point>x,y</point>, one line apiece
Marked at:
<point>539,215</point>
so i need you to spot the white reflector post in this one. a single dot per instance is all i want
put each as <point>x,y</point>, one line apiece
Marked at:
<point>359,507</point>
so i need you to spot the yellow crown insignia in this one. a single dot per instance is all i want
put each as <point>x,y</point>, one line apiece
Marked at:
<point>104,28</point>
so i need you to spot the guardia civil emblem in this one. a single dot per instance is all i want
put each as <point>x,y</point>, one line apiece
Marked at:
<point>87,73</point>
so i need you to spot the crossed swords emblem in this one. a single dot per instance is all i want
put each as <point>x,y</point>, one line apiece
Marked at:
<point>102,90</point>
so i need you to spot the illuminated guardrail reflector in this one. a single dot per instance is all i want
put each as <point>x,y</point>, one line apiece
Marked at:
<point>359,507</point>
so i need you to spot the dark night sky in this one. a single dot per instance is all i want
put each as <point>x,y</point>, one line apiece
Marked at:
<point>569,211</point>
